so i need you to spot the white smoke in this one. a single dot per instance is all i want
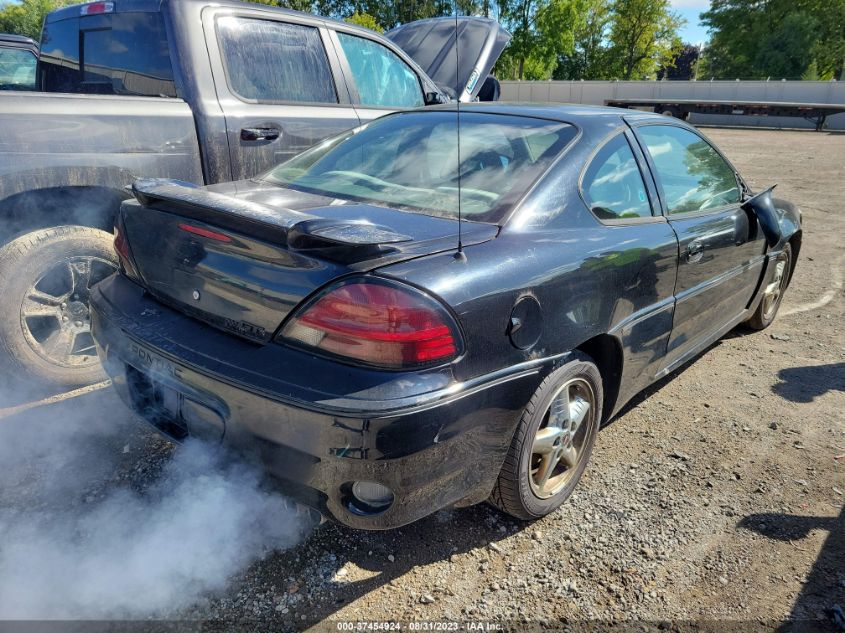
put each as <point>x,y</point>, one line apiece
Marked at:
<point>66,553</point>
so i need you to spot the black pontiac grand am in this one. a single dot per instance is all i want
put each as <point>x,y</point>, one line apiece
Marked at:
<point>325,320</point>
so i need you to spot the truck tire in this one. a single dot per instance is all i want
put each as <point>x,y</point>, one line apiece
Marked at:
<point>671,112</point>
<point>45,328</point>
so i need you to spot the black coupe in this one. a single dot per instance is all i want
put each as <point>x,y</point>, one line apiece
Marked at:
<point>394,321</point>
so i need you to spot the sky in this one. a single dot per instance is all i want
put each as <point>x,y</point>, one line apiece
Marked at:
<point>693,32</point>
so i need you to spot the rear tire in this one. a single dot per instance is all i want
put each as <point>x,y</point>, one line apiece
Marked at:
<point>546,457</point>
<point>766,312</point>
<point>672,112</point>
<point>45,278</point>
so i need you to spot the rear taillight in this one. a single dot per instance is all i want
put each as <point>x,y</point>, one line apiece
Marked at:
<point>376,322</point>
<point>120,245</point>
<point>124,254</point>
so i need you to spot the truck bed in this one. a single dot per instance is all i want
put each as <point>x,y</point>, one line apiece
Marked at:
<point>56,140</point>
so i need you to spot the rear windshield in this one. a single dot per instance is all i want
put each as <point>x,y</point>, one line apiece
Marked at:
<point>411,161</point>
<point>118,53</point>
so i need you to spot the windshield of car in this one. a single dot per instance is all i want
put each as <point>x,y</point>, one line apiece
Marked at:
<point>412,161</point>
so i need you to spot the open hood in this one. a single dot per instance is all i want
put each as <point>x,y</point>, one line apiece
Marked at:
<point>431,43</point>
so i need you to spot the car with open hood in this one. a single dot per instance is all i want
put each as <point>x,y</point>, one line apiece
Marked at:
<point>440,307</point>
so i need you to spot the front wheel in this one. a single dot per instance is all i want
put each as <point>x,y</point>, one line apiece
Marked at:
<point>45,280</point>
<point>553,442</point>
<point>766,312</point>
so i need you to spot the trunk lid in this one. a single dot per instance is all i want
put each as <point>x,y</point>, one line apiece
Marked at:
<point>241,256</point>
<point>432,42</point>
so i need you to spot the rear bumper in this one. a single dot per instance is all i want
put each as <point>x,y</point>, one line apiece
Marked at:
<point>436,444</point>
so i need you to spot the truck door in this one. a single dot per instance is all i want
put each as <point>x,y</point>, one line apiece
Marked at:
<point>721,246</point>
<point>280,90</point>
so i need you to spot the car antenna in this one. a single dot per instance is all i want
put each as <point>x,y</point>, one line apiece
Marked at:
<point>460,255</point>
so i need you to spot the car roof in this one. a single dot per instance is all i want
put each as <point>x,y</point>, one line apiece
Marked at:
<point>585,116</point>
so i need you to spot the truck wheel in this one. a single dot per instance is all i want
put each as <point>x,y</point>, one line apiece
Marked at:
<point>552,443</point>
<point>45,281</point>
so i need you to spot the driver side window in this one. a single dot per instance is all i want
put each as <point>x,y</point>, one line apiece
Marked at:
<point>693,175</point>
<point>382,79</point>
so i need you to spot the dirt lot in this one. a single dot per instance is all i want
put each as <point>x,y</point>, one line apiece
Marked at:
<point>717,495</point>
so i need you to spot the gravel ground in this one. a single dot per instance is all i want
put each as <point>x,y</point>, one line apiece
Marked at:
<point>716,495</point>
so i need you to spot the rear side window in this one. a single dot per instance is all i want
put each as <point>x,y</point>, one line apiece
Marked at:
<point>613,185</point>
<point>382,78</point>
<point>17,69</point>
<point>118,53</point>
<point>269,61</point>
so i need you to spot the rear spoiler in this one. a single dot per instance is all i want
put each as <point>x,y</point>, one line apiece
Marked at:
<point>342,241</point>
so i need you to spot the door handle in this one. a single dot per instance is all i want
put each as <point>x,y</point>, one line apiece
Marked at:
<point>260,133</point>
<point>695,251</point>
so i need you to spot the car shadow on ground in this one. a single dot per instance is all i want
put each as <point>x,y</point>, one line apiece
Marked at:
<point>821,603</point>
<point>805,384</point>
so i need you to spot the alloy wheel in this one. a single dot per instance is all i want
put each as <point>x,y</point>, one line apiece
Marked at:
<point>774,291</point>
<point>558,447</point>
<point>55,318</point>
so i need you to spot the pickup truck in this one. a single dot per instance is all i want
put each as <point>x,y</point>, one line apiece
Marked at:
<point>199,91</point>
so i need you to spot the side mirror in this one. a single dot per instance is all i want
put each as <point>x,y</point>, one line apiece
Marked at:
<point>435,98</point>
<point>763,207</point>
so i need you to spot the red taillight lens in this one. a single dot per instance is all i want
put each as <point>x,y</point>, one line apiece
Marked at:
<point>124,254</point>
<point>378,323</point>
<point>120,245</point>
<point>198,230</point>
<point>96,7</point>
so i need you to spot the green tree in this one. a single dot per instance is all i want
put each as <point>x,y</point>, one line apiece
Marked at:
<point>643,37</point>
<point>27,16</point>
<point>787,39</point>
<point>392,14</point>
<point>589,59</point>
<point>365,20</point>
<point>542,30</point>
<point>297,5</point>
<point>385,14</point>
<point>786,50</point>
<point>686,64</point>
<point>829,51</point>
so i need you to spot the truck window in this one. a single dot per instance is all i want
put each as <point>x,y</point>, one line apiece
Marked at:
<point>118,53</point>
<point>17,69</point>
<point>271,62</point>
<point>382,79</point>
